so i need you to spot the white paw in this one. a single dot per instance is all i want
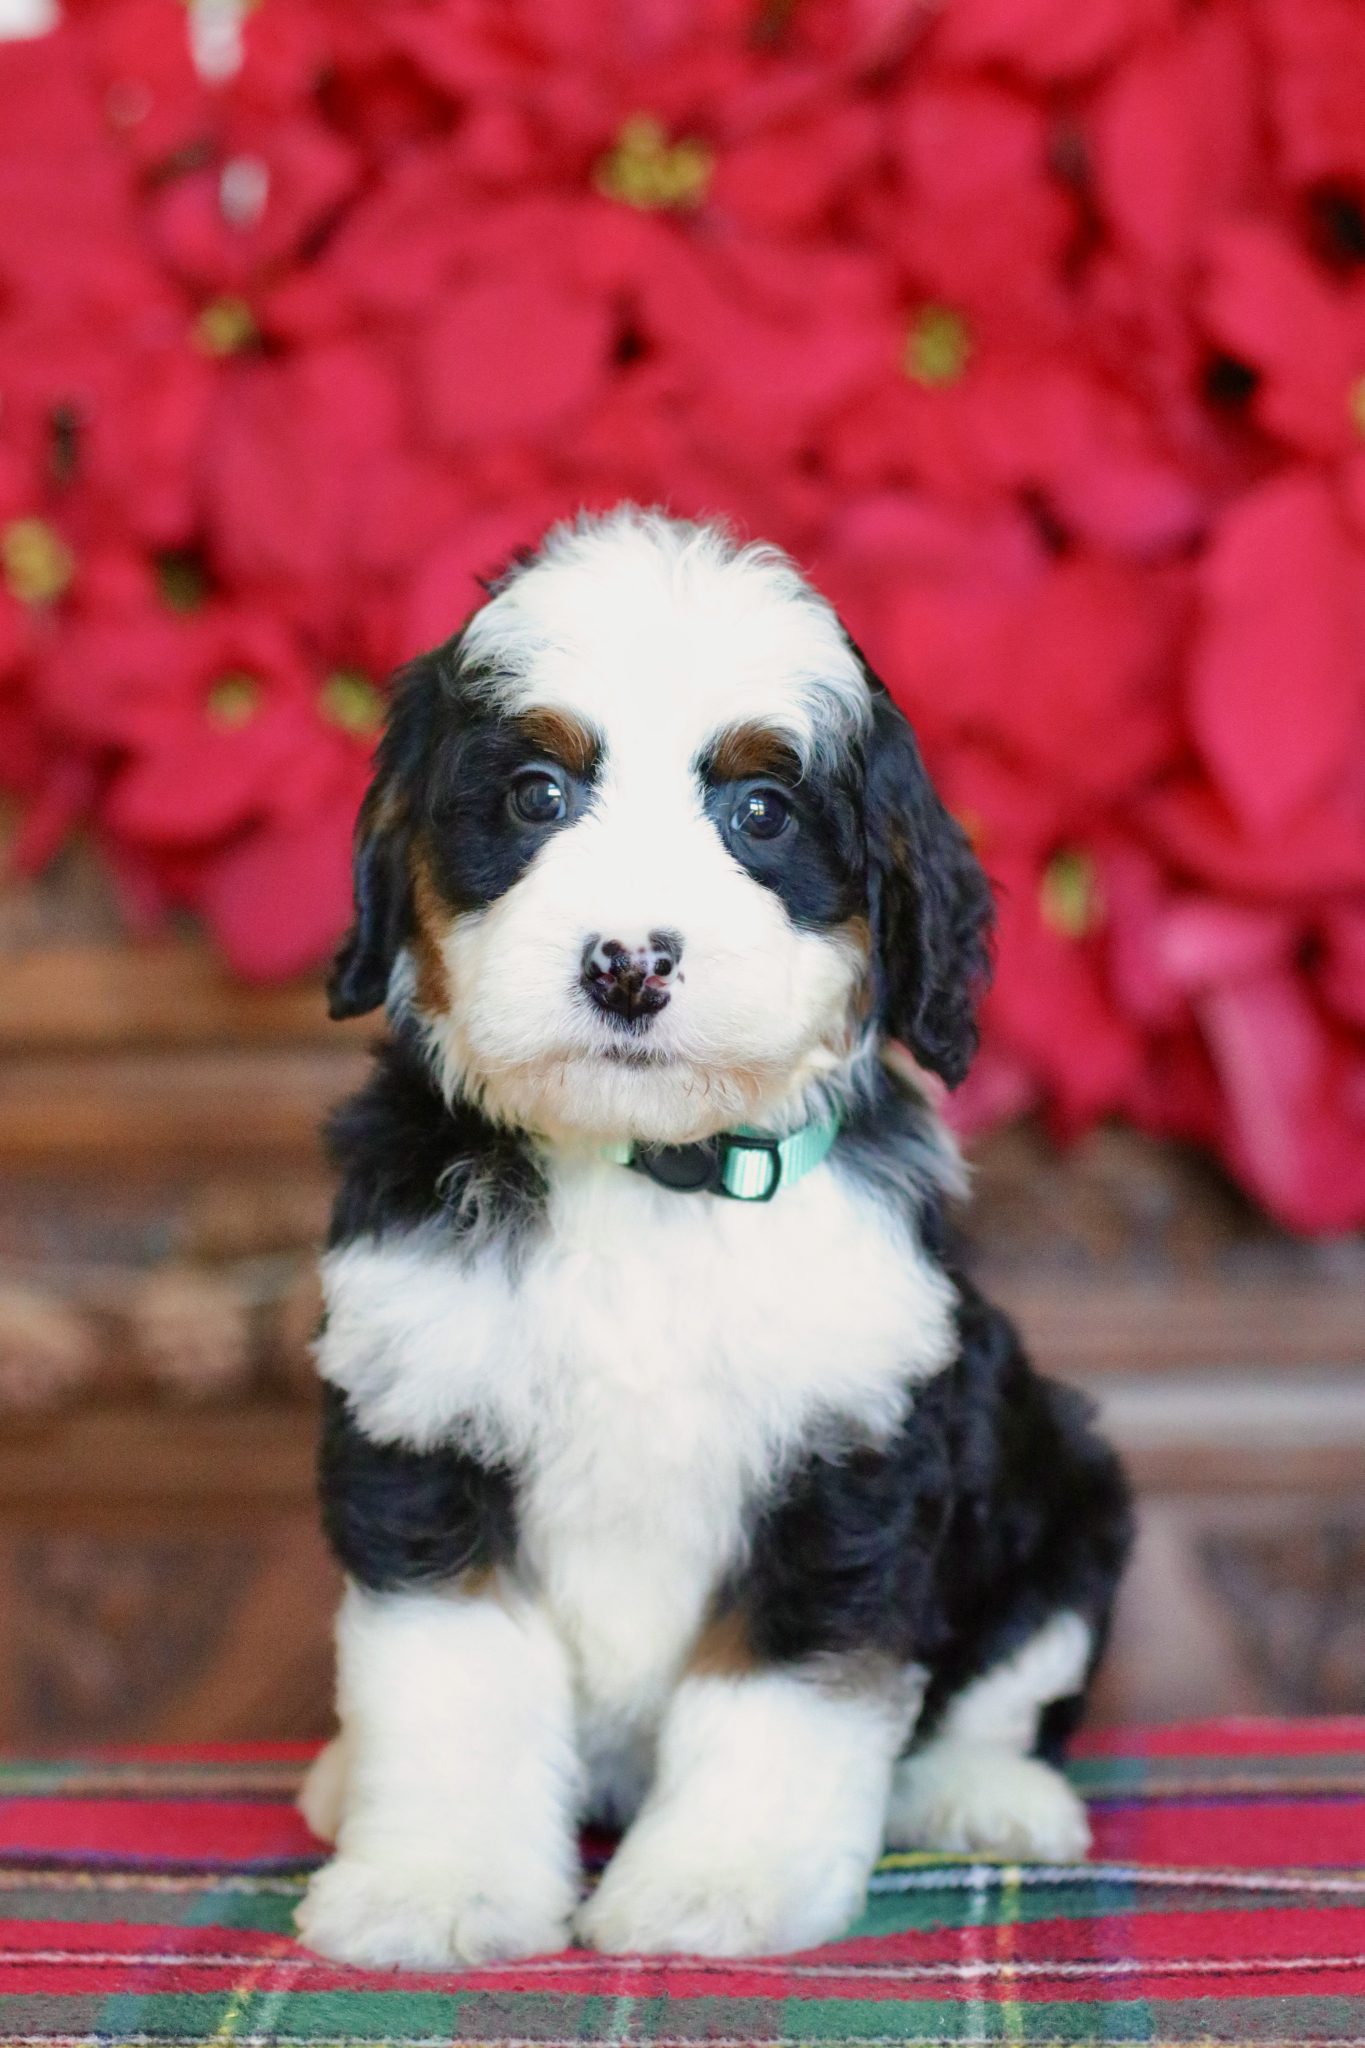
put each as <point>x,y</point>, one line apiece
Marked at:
<point>322,1795</point>
<point>975,1799</point>
<point>424,1915</point>
<point>681,1898</point>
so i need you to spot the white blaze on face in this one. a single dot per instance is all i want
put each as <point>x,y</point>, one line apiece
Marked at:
<point>658,637</point>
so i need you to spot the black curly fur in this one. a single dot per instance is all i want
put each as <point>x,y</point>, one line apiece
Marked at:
<point>930,902</point>
<point>993,1508</point>
<point>398,1517</point>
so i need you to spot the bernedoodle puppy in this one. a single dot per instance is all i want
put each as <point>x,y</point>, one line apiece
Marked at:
<point>680,1480</point>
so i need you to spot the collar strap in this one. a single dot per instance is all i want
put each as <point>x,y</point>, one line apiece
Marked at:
<point>747,1165</point>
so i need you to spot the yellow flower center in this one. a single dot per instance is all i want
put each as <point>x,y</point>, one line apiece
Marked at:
<point>938,346</point>
<point>1355,405</point>
<point>1070,899</point>
<point>234,700</point>
<point>36,562</point>
<point>350,700</point>
<point>226,326</point>
<point>643,168</point>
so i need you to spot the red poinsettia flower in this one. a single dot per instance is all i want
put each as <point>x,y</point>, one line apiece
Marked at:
<point>229,224</point>
<point>1063,667</point>
<point>973,418</point>
<point>294,449</point>
<point>1299,331</point>
<point>1142,339</point>
<point>977,211</point>
<point>1051,1005</point>
<point>228,745</point>
<point>208,720</point>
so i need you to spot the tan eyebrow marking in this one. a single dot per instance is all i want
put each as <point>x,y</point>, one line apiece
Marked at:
<point>752,749</point>
<point>562,736</point>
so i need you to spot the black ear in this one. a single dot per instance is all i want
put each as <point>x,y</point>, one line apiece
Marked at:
<point>359,980</point>
<point>930,903</point>
<point>382,859</point>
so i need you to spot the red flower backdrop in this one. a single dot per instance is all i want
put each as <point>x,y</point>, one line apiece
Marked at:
<point>1036,329</point>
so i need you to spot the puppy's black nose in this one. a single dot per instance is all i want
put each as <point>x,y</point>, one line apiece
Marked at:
<point>631,982</point>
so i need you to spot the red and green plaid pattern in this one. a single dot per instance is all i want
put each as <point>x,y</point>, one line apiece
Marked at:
<point>146,1898</point>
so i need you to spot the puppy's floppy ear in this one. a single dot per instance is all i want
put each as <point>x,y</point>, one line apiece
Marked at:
<point>930,902</point>
<point>382,857</point>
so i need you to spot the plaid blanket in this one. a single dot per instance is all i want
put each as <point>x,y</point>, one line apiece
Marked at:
<point>147,1899</point>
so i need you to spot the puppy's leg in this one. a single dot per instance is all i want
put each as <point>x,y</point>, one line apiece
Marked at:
<point>456,1837</point>
<point>764,1819</point>
<point>974,1786</point>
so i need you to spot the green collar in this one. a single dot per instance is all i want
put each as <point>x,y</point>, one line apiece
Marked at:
<point>748,1165</point>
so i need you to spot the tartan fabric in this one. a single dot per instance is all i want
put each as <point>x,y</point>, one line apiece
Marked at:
<point>146,1898</point>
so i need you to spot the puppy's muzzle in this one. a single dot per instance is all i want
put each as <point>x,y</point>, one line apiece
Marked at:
<point>631,983</point>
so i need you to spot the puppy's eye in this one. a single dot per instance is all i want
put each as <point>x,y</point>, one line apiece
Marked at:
<point>761,814</point>
<point>539,798</point>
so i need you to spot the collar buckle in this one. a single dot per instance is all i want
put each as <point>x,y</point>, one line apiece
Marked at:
<point>683,1169</point>
<point>739,1173</point>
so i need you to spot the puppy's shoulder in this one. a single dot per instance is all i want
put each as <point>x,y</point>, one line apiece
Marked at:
<point>894,1145</point>
<point>406,1157</point>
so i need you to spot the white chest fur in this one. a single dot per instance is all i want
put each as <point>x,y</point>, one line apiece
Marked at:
<point>650,1364</point>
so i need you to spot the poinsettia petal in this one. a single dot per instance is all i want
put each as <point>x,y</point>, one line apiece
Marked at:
<point>784,180</point>
<point>1316,79</point>
<point>279,899</point>
<point>1045,39</point>
<point>1203,941</point>
<point>1175,138</point>
<point>1342,974</point>
<point>1294,1130</point>
<point>1277,685</point>
<point>1320,851</point>
<point>193,787</point>
<point>512,355</point>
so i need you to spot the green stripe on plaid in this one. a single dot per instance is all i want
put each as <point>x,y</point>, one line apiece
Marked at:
<point>1176,1777</point>
<point>1098,1777</point>
<point>128,1778</point>
<point>479,2019</point>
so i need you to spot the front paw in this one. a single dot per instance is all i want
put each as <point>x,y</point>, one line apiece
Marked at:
<point>679,1897</point>
<point>426,1915</point>
<point>977,1800</point>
